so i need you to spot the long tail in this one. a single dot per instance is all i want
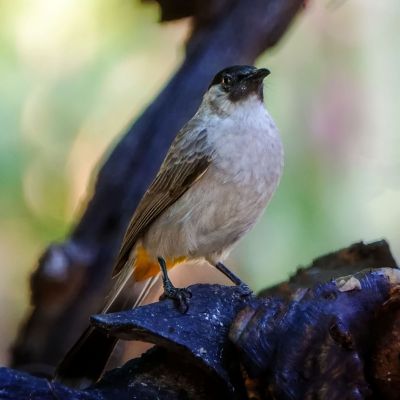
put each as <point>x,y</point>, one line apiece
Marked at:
<point>86,360</point>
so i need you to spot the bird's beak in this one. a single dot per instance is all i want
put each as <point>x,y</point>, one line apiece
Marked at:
<point>259,74</point>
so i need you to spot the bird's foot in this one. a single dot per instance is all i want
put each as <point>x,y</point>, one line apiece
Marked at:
<point>180,296</point>
<point>245,289</point>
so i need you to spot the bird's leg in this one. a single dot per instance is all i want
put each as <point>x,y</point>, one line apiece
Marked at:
<point>228,273</point>
<point>232,277</point>
<point>180,296</point>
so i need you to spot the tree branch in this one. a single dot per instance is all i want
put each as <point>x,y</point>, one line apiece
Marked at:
<point>334,340</point>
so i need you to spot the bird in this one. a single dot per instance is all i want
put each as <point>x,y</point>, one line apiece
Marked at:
<point>217,178</point>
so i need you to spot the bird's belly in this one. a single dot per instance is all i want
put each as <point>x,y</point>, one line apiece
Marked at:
<point>227,200</point>
<point>211,216</point>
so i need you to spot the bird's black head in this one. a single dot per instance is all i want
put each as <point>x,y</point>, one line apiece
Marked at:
<point>240,81</point>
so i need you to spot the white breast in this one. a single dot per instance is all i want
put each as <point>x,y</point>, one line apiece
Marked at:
<point>248,146</point>
<point>228,200</point>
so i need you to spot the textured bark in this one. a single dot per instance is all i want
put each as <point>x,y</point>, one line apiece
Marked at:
<point>332,340</point>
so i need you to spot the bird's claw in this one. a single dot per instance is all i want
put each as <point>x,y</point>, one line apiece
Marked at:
<point>180,296</point>
<point>244,289</point>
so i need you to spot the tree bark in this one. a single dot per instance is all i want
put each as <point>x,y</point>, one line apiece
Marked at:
<point>303,339</point>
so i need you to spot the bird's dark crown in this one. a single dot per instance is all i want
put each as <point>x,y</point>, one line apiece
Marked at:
<point>241,80</point>
<point>236,72</point>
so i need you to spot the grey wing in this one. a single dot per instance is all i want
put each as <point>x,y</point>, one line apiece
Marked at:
<point>186,161</point>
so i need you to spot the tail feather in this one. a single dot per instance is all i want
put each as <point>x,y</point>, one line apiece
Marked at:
<point>86,360</point>
<point>119,283</point>
<point>145,292</point>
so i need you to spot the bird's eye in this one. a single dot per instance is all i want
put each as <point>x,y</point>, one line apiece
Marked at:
<point>227,81</point>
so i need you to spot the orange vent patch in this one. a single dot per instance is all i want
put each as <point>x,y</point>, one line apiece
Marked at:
<point>146,266</point>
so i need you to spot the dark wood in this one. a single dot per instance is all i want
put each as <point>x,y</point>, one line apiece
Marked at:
<point>384,368</point>
<point>333,340</point>
<point>342,262</point>
<point>201,332</point>
<point>318,345</point>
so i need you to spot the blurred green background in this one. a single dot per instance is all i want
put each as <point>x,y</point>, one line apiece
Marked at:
<point>75,74</point>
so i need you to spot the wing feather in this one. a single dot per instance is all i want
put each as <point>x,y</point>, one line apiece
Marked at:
<point>185,163</point>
